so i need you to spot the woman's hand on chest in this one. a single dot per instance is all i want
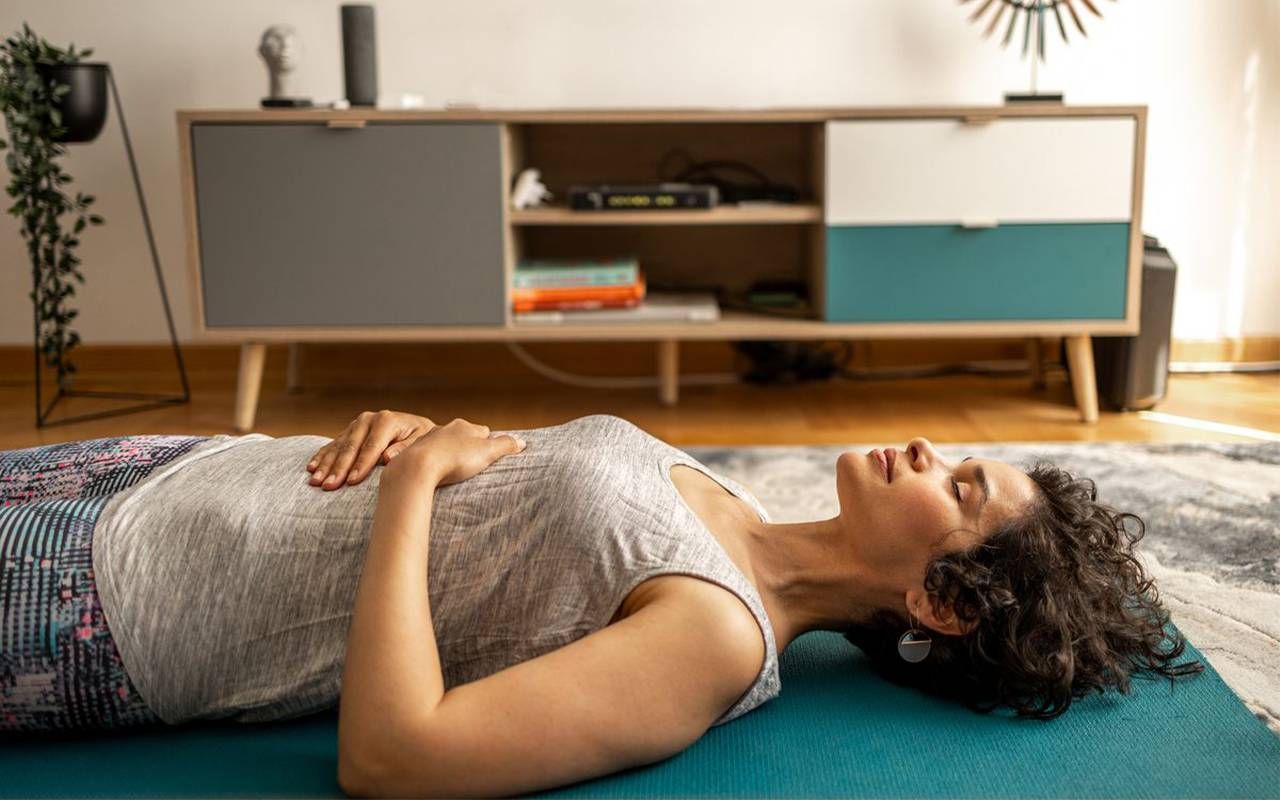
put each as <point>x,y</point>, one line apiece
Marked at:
<point>372,437</point>
<point>449,453</point>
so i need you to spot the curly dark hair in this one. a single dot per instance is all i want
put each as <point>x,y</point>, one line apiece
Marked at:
<point>1063,609</point>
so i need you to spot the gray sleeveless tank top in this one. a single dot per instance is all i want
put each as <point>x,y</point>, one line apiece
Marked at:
<point>229,581</point>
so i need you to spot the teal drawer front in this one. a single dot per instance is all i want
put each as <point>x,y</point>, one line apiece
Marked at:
<point>903,273</point>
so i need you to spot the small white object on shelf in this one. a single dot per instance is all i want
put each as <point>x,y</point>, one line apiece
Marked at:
<point>530,191</point>
<point>656,307</point>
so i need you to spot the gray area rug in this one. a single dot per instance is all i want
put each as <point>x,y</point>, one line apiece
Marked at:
<point>1212,542</point>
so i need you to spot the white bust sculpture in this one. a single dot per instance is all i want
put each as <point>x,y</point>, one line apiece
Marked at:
<point>281,50</point>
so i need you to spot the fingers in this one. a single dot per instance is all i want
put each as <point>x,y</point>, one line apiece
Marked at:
<point>357,455</point>
<point>341,452</point>
<point>325,458</point>
<point>319,458</point>
<point>395,449</point>
<point>506,444</point>
<point>406,439</point>
<point>387,428</point>
<point>369,438</point>
<point>510,437</point>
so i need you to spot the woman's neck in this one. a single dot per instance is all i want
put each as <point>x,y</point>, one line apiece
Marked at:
<point>808,578</point>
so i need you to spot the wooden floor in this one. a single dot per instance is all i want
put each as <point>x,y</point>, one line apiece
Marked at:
<point>485,383</point>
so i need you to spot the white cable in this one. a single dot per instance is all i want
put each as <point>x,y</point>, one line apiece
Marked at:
<point>994,366</point>
<point>591,382</point>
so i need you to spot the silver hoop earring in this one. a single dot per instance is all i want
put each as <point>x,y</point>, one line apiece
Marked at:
<point>914,645</point>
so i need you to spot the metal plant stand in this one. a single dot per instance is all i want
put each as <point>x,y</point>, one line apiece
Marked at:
<point>157,400</point>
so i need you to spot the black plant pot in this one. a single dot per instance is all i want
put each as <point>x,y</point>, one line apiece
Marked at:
<point>84,108</point>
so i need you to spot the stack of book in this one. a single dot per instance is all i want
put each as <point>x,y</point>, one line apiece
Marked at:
<point>576,284</point>
<point>599,290</point>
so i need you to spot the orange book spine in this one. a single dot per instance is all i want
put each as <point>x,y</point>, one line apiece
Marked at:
<point>633,291</point>
<point>569,305</point>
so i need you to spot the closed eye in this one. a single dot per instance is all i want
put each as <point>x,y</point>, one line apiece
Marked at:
<point>956,487</point>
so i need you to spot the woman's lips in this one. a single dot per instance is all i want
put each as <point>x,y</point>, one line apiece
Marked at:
<point>882,460</point>
<point>891,458</point>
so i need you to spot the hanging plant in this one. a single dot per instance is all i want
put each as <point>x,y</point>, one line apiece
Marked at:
<point>32,97</point>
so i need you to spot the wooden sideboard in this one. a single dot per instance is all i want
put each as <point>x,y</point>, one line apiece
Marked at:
<point>913,222</point>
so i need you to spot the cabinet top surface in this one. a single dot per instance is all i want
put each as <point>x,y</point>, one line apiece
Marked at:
<point>776,114</point>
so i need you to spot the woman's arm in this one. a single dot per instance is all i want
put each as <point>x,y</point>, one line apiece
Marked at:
<point>631,693</point>
<point>392,679</point>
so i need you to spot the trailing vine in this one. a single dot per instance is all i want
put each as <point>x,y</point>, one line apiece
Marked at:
<point>29,99</point>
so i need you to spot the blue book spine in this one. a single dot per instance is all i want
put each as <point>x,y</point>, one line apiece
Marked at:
<point>579,276</point>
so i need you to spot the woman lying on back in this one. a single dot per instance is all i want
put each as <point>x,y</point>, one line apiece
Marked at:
<point>502,613</point>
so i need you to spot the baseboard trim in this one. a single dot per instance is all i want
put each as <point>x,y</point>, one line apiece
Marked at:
<point>1246,348</point>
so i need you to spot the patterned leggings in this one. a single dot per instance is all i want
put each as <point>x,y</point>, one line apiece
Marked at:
<point>59,667</point>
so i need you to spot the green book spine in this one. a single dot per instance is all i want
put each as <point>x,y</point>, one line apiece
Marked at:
<point>533,274</point>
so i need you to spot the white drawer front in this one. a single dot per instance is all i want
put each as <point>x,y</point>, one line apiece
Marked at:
<point>1074,169</point>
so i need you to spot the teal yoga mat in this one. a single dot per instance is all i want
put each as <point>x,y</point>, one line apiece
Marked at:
<point>836,730</point>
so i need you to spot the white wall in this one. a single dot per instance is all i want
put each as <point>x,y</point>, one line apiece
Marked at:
<point>1209,72</point>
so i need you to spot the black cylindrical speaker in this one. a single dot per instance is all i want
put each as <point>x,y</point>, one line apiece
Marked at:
<point>359,54</point>
<point>1133,371</point>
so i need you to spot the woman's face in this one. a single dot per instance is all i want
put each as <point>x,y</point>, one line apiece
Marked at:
<point>925,506</point>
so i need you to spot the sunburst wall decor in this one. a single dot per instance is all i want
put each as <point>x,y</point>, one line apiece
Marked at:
<point>1033,12</point>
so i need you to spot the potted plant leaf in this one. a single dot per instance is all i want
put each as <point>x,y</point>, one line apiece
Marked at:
<point>49,97</point>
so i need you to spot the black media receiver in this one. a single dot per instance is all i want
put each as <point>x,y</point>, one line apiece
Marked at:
<point>646,197</point>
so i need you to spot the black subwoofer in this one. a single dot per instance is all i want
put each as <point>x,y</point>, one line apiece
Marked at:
<point>1133,371</point>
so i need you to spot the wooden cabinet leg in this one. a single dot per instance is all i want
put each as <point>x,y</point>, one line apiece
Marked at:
<point>1035,359</point>
<point>293,369</point>
<point>668,371</point>
<point>252,357</point>
<point>1084,381</point>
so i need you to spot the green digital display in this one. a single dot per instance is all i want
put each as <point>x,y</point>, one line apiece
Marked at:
<point>640,200</point>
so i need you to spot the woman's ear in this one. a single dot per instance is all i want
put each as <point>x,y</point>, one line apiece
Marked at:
<point>936,615</point>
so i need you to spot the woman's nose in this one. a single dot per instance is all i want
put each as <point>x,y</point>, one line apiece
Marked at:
<point>921,452</point>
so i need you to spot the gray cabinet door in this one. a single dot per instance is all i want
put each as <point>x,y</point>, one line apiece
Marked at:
<point>391,224</point>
